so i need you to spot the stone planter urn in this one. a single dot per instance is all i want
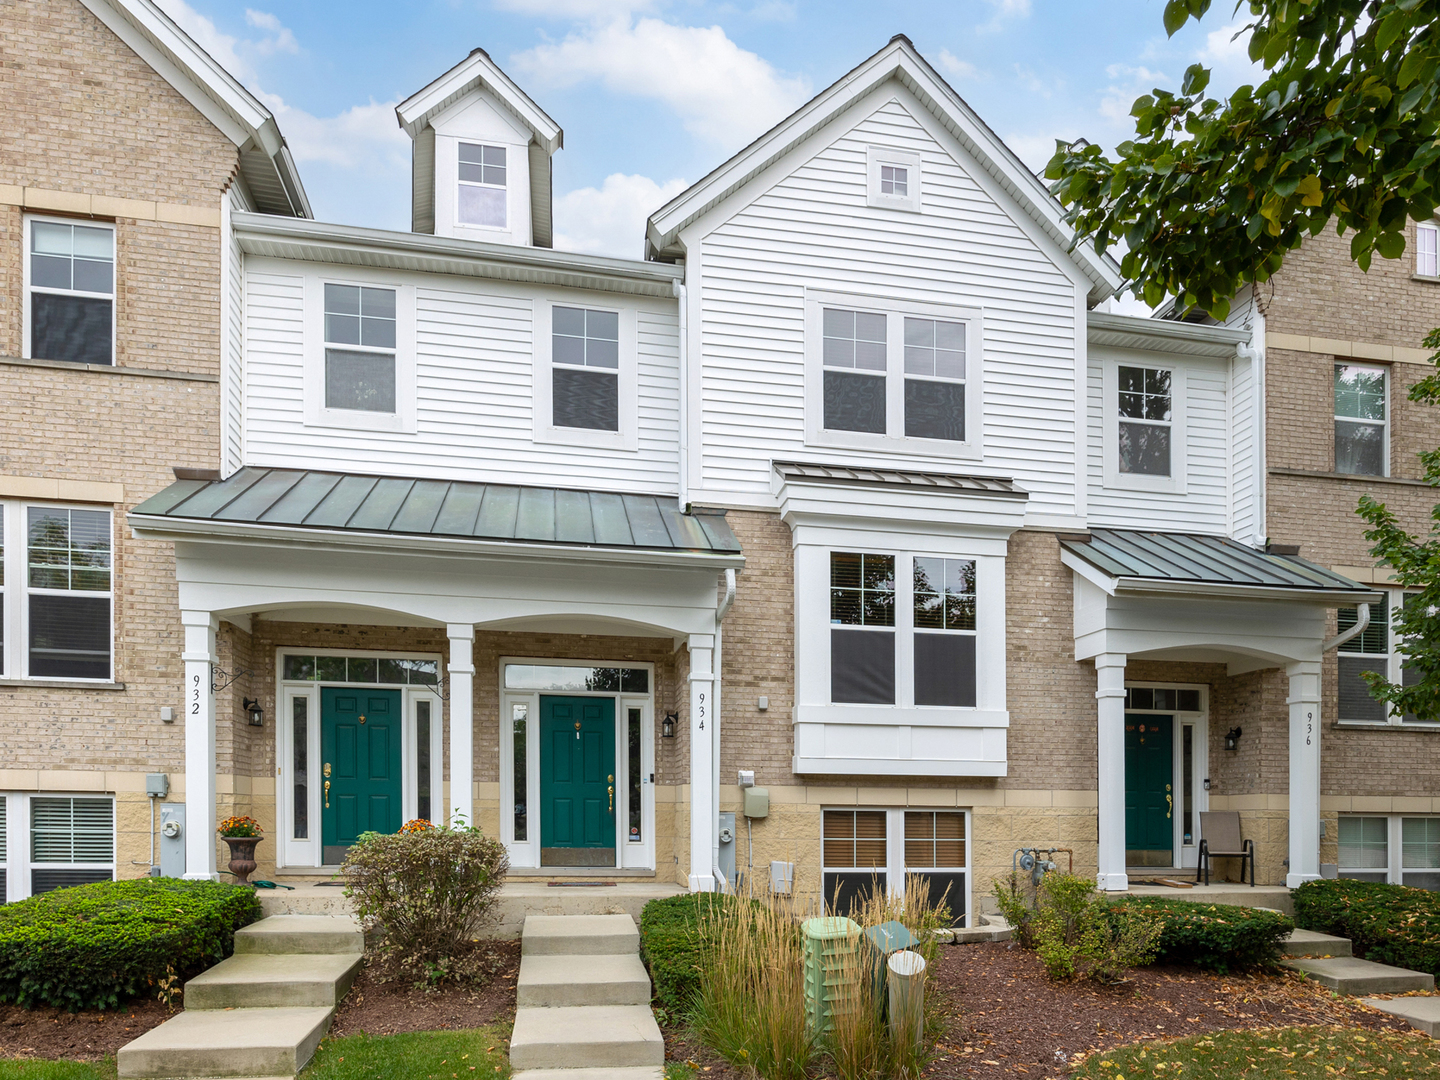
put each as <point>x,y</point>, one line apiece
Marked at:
<point>242,856</point>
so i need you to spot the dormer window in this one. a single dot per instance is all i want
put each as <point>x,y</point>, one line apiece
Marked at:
<point>481,199</point>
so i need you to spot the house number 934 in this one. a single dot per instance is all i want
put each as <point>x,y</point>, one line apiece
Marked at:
<point>700,708</point>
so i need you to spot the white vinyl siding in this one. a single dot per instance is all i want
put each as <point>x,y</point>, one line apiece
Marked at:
<point>1245,525</point>
<point>474,391</point>
<point>813,230</point>
<point>233,373</point>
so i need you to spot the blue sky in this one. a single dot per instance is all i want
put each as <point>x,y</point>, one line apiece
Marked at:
<point>652,94</point>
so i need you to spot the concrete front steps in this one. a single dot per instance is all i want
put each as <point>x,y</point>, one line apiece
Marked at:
<point>1329,961</point>
<point>1421,1013</point>
<point>262,1012</point>
<point>583,1002</point>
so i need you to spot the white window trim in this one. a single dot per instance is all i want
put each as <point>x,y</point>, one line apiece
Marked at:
<point>361,421</point>
<point>113,297</point>
<point>895,868</point>
<point>875,156</point>
<point>545,430</point>
<point>18,864</point>
<point>1384,425</point>
<point>1179,459</point>
<point>1394,660</point>
<point>816,434</point>
<point>309,852</point>
<point>17,591</point>
<point>1434,230</point>
<point>525,854</point>
<point>1394,869</point>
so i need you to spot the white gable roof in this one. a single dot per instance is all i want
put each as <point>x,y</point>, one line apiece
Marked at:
<point>478,70</point>
<point>898,60</point>
<point>265,163</point>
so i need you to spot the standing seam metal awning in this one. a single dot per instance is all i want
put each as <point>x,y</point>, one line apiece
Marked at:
<point>443,508</point>
<point>1217,560</point>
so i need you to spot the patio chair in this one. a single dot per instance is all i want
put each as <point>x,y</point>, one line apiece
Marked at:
<point>1220,839</point>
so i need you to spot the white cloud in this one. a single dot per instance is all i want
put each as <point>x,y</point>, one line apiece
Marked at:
<point>225,49</point>
<point>1128,83</point>
<point>610,220</point>
<point>576,9</point>
<point>953,66</point>
<point>1032,82</point>
<point>1005,10</point>
<point>281,41</point>
<point>1034,150</point>
<point>719,91</point>
<point>1228,58</point>
<point>363,135</point>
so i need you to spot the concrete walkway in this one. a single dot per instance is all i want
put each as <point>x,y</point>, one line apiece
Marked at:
<point>262,1012</point>
<point>583,1002</point>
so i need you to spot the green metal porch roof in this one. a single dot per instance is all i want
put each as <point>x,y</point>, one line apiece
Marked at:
<point>1213,560</point>
<point>298,498</point>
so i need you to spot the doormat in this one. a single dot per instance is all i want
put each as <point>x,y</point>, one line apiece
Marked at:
<point>578,884</point>
<point>330,884</point>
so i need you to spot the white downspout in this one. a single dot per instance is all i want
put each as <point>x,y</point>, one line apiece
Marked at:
<point>683,441</point>
<point>1363,611</point>
<point>721,610</point>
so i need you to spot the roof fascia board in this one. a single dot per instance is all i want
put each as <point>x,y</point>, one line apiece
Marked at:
<point>161,527</point>
<point>1216,590</point>
<point>897,60</point>
<point>1091,573</point>
<point>1162,335</point>
<point>478,69</point>
<point>323,240</point>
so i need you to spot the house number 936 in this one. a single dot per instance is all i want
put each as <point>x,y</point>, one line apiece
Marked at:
<point>1309,726</point>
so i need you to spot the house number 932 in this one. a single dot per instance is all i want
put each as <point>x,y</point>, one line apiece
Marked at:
<point>195,696</point>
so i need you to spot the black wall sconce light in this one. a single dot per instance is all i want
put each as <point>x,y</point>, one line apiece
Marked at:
<point>254,711</point>
<point>1232,738</point>
<point>667,726</point>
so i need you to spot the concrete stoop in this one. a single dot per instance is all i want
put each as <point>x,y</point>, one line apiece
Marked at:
<point>1349,975</point>
<point>583,1002</point>
<point>262,1012</point>
<point>1421,1013</point>
<point>1312,943</point>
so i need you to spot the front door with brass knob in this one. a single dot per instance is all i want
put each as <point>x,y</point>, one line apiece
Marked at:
<point>1149,790</point>
<point>577,781</point>
<point>360,732</point>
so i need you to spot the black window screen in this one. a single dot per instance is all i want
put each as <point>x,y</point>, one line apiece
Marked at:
<point>75,328</point>
<point>1356,703</point>
<point>586,399</point>
<point>945,670</point>
<point>854,402</point>
<point>862,667</point>
<point>43,880</point>
<point>70,637</point>
<point>845,894</point>
<point>934,410</point>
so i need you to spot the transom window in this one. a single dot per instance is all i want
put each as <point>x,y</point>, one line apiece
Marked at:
<point>934,379</point>
<point>71,305</point>
<point>894,180</point>
<point>1427,250</point>
<point>482,185</point>
<point>306,667</point>
<point>585,358</point>
<point>1360,426</point>
<point>1375,649</point>
<point>855,364</point>
<point>1146,415</point>
<point>359,348</point>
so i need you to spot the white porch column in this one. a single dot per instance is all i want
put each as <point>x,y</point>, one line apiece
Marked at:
<point>1304,702</point>
<point>702,708</point>
<point>199,657</point>
<point>462,729</point>
<point>1110,706</point>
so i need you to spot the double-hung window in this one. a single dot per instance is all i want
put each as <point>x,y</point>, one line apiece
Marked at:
<point>1360,425</point>
<point>68,578</point>
<point>1427,250</point>
<point>360,348</point>
<point>1146,415</point>
<point>855,364</point>
<point>934,379</point>
<point>481,196</point>
<point>585,368</point>
<point>945,632</point>
<point>862,628</point>
<point>72,841</point>
<point>70,281</point>
<point>1390,848</point>
<point>1376,649</point>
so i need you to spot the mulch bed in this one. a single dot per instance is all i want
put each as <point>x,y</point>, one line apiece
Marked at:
<point>83,1036</point>
<point>1006,1018</point>
<point>378,1007</point>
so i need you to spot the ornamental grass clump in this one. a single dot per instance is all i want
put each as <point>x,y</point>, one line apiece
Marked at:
<point>424,894</point>
<point>97,946</point>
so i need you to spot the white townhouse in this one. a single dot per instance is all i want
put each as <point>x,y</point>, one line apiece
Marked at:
<point>850,492</point>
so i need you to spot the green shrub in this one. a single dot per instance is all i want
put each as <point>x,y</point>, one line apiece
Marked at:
<point>1216,937</point>
<point>1390,924</point>
<point>674,943</point>
<point>94,946</point>
<point>1074,930</point>
<point>430,888</point>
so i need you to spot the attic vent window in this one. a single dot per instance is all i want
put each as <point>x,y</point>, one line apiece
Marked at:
<point>482,185</point>
<point>894,180</point>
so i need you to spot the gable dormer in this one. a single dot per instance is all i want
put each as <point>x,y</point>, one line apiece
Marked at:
<point>481,157</point>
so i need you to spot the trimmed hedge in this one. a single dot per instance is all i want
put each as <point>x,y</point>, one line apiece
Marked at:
<point>1216,937</point>
<point>94,946</point>
<point>1390,924</point>
<point>673,943</point>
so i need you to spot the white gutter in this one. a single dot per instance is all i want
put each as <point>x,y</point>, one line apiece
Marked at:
<point>1355,631</point>
<point>721,610</point>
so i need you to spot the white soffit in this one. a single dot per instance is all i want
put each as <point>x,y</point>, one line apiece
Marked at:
<point>898,60</point>
<point>1162,335</point>
<point>478,70</point>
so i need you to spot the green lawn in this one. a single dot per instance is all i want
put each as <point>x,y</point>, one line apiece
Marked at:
<point>480,1053</point>
<point>57,1070</point>
<point>1297,1053</point>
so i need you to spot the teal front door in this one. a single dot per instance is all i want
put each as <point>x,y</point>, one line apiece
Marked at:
<point>360,766</point>
<point>1149,790</point>
<point>577,781</point>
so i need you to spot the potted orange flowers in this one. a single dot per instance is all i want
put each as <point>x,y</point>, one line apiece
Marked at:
<point>242,834</point>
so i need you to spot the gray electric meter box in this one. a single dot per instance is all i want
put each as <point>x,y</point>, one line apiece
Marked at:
<point>172,840</point>
<point>757,802</point>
